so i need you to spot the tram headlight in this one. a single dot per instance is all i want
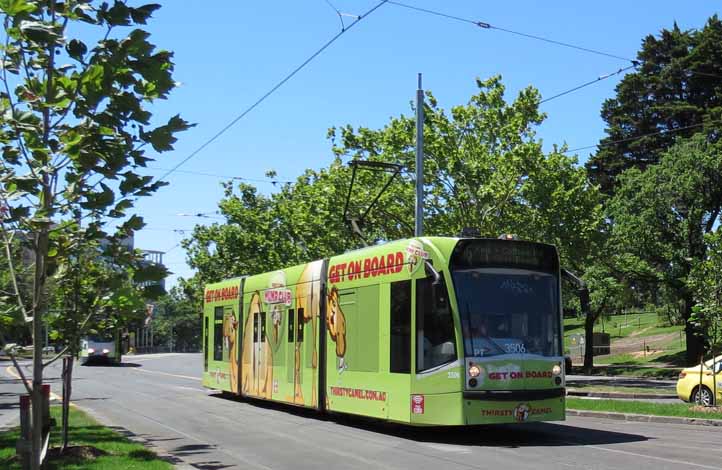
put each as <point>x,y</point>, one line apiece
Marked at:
<point>106,351</point>
<point>91,350</point>
<point>474,370</point>
<point>556,370</point>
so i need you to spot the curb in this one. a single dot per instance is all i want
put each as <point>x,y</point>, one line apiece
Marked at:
<point>645,418</point>
<point>580,393</point>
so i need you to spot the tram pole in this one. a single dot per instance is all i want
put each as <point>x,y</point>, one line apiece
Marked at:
<point>419,226</point>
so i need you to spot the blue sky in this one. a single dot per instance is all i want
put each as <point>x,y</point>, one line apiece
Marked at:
<point>229,53</point>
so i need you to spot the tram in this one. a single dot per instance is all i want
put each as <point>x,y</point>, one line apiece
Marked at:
<point>422,331</point>
<point>101,347</point>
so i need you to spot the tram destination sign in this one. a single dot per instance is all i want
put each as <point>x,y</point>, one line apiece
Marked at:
<point>504,253</point>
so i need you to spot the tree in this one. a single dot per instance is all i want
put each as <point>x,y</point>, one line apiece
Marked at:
<point>73,131</point>
<point>606,296</point>
<point>674,93</point>
<point>13,327</point>
<point>706,283</point>
<point>95,295</point>
<point>177,322</point>
<point>484,168</point>
<point>661,217</point>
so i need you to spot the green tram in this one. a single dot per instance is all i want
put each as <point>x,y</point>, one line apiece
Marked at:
<point>423,331</point>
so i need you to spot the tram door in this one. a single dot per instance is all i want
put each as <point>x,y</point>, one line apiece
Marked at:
<point>259,352</point>
<point>206,352</point>
<point>295,350</point>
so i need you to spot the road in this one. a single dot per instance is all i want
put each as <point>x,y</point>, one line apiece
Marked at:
<point>158,398</point>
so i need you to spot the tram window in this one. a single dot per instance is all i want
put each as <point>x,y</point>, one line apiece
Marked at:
<point>435,342</point>
<point>262,315</point>
<point>291,323</point>
<point>300,325</point>
<point>218,334</point>
<point>400,347</point>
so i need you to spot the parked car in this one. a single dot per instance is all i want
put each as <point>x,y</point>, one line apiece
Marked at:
<point>689,387</point>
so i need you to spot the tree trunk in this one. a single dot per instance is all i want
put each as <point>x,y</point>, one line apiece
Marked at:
<point>41,251</point>
<point>589,320</point>
<point>695,342</point>
<point>67,390</point>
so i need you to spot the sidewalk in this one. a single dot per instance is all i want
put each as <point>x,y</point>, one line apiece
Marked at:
<point>619,381</point>
<point>639,418</point>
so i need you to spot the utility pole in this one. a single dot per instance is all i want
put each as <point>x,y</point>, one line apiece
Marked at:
<point>419,226</point>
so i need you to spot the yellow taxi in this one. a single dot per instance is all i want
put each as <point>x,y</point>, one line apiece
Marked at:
<point>690,389</point>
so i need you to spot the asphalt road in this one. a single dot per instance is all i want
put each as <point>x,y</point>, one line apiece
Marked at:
<point>159,398</point>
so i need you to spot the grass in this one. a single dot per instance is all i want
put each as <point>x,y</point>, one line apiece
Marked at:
<point>640,407</point>
<point>618,388</point>
<point>622,326</point>
<point>116,452</point>
<point>675,356</point>
<point>634,328</point>
<point>635,371</point>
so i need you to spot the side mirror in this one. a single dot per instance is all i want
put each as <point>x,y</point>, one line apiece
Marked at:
<point>567,365</point>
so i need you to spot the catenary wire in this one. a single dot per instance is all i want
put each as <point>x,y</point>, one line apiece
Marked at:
<point>631,139</point>
<point>485,25</point>
<point>227,177</point>
<point>338,13</point>
<point>271,91</point>
<point>584,85</point>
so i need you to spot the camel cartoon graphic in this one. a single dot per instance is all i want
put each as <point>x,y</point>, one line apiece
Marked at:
<point>257,369</point>
<point>336,324</point>
<point>230,330</point>
<point>308,300</point>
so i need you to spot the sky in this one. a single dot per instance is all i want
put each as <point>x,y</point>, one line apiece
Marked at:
<point>228,54</point>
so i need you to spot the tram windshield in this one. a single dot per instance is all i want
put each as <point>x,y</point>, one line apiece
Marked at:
<point>100,338</point>
<point>508,311</point>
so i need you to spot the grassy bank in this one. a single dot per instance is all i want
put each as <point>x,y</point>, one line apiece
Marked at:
<point>583,387</point>
<point>95,447</point>
<point>640,407</point>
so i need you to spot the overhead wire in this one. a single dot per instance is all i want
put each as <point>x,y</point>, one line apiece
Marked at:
<point>272,90</point>
<point>642,136</point>
<point>485,25</point>
<point>273,181</point>
<point>340,17</point>
<point>586,84</point>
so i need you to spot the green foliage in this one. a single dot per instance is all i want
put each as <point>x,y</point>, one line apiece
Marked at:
<point>75,134</point>
<point>677,87</point>
<point>13,327</point>
<point>484,168</point>
<point>99,293</point>
<point>706,282</point>
<point>661,217</point>
<point>177,323</point>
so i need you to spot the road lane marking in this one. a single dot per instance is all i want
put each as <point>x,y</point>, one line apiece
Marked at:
<point>148,357</point>
<point>447,448</point>
<point>11,370</point>
<point>188,377</point>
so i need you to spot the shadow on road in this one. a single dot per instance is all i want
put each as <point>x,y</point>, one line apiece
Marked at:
<point>111,365</point>
<point>491,435</point>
